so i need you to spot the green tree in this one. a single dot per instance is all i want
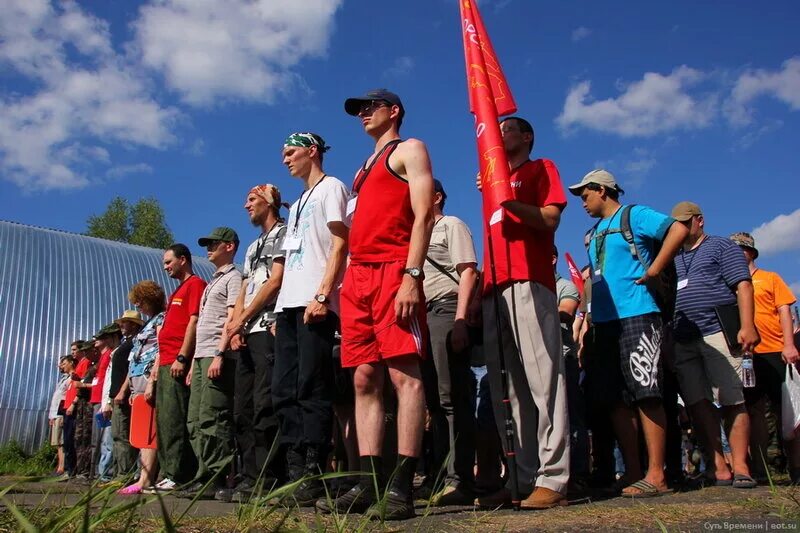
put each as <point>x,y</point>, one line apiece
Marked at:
<point>149,225</point>
<point>113,224</point>
<point>142,223</point>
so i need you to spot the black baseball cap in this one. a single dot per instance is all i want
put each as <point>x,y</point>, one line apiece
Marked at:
<point>352,105</point>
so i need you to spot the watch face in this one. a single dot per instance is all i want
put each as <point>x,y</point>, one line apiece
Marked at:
<point>321,298</point>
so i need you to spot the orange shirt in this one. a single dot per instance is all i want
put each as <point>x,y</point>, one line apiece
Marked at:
<point>770,293</point>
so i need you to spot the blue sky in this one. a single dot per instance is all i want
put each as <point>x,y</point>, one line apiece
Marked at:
<point>189,101</point>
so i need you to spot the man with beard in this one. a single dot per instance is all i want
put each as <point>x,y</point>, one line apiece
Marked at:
<point>255,424</point>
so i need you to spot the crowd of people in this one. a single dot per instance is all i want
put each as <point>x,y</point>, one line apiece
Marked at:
<point>360,336</point>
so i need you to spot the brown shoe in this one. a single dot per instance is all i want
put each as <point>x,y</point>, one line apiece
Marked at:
<point>543,498</point>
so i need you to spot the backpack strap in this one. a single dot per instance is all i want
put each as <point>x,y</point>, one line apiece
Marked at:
<point>627,232</point>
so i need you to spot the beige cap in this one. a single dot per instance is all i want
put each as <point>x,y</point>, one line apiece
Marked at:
<point>745,240</point>
<point>600,177</point>
<point>132,316</point>
<point>683,211</point>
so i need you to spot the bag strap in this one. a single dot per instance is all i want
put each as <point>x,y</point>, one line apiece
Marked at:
<point>441,269</point>
<point>627,232</point>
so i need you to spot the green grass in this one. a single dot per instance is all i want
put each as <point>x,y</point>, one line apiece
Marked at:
<point>15,462</point>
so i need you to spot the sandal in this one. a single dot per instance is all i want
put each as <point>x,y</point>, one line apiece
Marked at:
<point>130,490</point>
<point>742,481</point>
<point>645,490</point>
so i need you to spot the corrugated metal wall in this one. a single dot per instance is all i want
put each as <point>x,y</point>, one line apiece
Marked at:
<point>56,287</point>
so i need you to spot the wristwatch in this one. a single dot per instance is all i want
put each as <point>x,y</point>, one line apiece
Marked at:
<point>414,272</point>
<point>321,298</point>
<point>218,353</point>
<point>182,359</point>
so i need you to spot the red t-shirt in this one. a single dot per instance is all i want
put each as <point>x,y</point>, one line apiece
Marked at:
<point>183,304</point>
<point>382,222</point>
<point>99,377</point>
<point>522,253</point>
<point>80,371</point>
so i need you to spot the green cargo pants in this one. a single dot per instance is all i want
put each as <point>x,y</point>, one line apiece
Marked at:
<point>210,420</point>
<point>124,454</point>
<point>175,455</point>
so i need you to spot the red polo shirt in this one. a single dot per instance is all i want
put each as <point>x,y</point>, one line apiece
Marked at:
<point>80,371</point>
<point>97,383</point>
<point>522,253</point>
<point>183,304</point>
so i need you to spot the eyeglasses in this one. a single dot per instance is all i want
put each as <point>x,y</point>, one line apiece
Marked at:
<point>369,107</point>
<point>212,245</point>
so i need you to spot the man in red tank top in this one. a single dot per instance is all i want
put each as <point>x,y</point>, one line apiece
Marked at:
<point>383,306</point>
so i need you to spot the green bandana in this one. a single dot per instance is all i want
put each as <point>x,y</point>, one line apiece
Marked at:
<point>306,140</point>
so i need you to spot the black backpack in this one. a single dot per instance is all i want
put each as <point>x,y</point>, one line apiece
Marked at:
<point>664,287</point>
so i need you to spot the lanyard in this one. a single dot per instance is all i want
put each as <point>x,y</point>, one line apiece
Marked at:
<point>260,248</point>
<point>688,266</point>
<point>600,240</point>
<point>301,204</point>
<point>207,292</point>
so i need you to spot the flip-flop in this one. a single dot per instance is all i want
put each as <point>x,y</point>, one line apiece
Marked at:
<point>130,490</point>
<point>742,481</point>
<point>646,490</point>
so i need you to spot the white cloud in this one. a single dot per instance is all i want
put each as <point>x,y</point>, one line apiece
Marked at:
<point>632,169</point>
<point>126,170</point>
<point>212,49</point>
<point>780,234</point>
<point>402,66</point>
<point>782,84</point>
<point>80,102</point>
<point>655,104</point>
<point>580,33</point>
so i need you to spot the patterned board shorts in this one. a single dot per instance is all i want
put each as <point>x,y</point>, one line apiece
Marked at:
<point>623,360</point>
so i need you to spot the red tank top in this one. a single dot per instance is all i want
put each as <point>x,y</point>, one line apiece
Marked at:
<point>382,221</point>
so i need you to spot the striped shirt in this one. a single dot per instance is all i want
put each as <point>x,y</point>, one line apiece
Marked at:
<point>707,277</point>
<point>220,294</point>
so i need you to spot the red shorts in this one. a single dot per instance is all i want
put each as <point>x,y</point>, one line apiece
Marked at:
<point>370,332</point>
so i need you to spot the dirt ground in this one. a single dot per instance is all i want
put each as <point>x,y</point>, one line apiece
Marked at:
<point>709,509</point>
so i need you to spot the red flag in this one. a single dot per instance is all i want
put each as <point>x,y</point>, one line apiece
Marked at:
<point>489,98</point>
<point>574,273</point>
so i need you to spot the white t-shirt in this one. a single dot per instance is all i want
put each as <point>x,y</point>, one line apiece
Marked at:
<point>257,266</point>
<point>308,243</point>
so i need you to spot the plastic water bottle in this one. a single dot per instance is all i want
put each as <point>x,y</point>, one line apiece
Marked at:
<point>748,374</point>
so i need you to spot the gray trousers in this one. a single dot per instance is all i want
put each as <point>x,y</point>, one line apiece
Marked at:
<point>536,383</point>
<point>452,415</point>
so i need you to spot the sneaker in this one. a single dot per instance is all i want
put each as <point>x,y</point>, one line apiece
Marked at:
<point>452,495</point>
<point>356,500</point>
<point>543,498</point>
<point>62,478</point>
<point>191,491</point>
<point>394,506</point>
<point>166,485</point>
<point>243,492</point>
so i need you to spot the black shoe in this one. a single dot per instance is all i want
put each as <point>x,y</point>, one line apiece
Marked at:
<point>189,492</point>
<point>308,493</point>
<point>199,490</point>
<point>394,506</point>
<point>242,492</point>
<point>356,500</point>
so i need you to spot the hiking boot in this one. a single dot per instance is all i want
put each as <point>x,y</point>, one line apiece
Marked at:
<point>393,506</point>
<point>543,498</point>
<point>198,489</point>
<point>356,500</point>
